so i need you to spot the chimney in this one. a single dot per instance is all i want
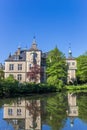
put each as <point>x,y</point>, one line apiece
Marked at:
<point>18,52</point>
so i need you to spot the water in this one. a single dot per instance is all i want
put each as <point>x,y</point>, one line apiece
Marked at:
<point>61,111</point>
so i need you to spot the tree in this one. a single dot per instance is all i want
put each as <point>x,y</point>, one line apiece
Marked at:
<point>36,72</point>
<point>10,78</point>
<point>1,74</point>
<point>82,69</point>
<point>56,68</point>
<point>34,110</point>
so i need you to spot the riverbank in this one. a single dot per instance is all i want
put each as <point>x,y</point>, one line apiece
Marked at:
<point>76,87</point>
<point>12,88</point>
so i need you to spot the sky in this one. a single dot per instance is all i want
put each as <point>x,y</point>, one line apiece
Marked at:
<point>58,23</point>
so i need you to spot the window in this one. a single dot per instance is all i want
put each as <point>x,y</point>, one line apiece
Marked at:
<point>30,113</point>
<point>34,56</point>
<point>18,111</point>
<point>19,66</point>
<point>15,122</point>
<point>10,112</point>
<point>74,111</point>
<point>18,101</point>
<point>73,63</point>
<point>19,77</point>
<point>29,66</point>
<point>16,57</point>
<point>68,63</point>
<point>11,66</point>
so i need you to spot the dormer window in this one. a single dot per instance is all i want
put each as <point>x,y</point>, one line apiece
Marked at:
<point>16,57</point>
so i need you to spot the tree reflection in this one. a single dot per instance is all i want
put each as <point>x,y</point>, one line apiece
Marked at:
<point>56,111</point>
<point>82,103</point>
<point>34,110</point>
<point>23,114</point>
<point>50,109</point>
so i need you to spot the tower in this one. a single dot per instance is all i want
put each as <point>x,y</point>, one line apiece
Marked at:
<point>71,67</point>
<point>70,53</point>
<point>35,70</point>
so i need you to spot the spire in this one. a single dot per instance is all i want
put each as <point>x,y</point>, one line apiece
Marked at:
<point>34,39</point>
<point>10,55</point>
<point>70,51</point>
<point>19,46</point>
<point>34,45</point>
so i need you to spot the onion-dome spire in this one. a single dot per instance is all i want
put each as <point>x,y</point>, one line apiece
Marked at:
<point>34,39</point>
<point>70,51</point>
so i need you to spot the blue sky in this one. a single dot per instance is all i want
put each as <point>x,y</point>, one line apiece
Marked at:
<point>53,22</point>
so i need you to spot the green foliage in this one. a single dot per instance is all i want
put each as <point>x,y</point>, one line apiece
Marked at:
<point>11,87</point>
<point>82,104</point>
<point>85,54</point>
<point>56,68</point>
<point>82,69</point>
<point>56,111</point>
<point>76,87</point>
<point>1,74</point>
<point>10,78</point>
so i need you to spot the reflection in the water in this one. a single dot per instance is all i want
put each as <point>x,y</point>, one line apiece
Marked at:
<point>45,112</point>
<point>23,114</point>
<point>56,111</point>
<point>72,108</point>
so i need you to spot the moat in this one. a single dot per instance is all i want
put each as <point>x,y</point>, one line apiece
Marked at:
<point>57,111</point>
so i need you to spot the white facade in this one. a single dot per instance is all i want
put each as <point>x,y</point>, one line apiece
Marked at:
<point>26,65</point>
<point>72,66</point>
<point>15,71</point>
<point>30,65</point>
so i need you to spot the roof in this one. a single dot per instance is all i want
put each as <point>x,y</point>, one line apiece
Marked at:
<point>20,55</point>
<point>70,58</point>
<point>33,47</point>
<point>16,57</point>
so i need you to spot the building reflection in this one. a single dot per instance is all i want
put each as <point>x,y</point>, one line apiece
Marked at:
<point>72,108</point>
<point>24,114</point>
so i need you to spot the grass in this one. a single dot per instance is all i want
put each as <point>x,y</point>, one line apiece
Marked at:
<point>76,87</point>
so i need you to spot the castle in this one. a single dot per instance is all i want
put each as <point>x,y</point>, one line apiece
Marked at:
<point>72,67</point>
<point>29,65</point>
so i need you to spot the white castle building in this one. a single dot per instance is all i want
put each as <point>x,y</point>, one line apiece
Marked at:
<point>29,65</point>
